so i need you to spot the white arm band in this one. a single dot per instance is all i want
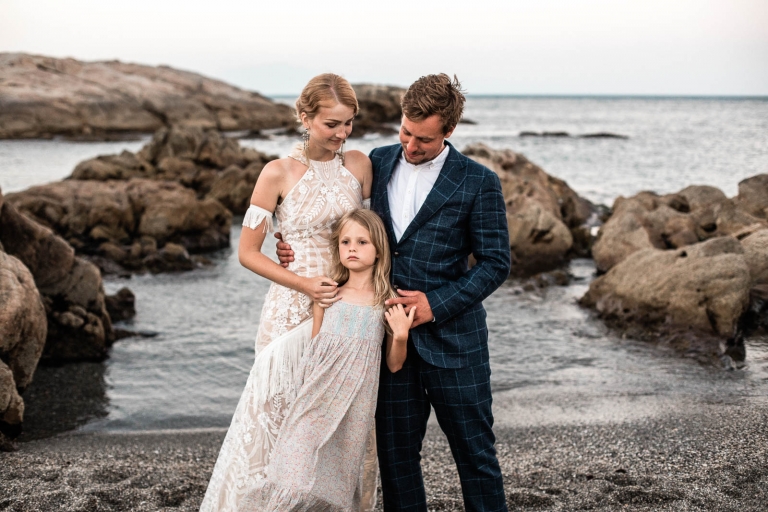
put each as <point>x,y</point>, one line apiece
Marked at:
<point>255,216</point>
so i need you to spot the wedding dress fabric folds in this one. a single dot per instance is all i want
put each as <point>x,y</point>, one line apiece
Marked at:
<point>305,216</point>
<point>318,462</point>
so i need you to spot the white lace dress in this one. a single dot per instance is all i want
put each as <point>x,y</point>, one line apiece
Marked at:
<point>316,464</point>
<point>323,194</point>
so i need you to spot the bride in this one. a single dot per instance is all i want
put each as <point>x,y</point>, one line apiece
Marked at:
<point>307,192</point>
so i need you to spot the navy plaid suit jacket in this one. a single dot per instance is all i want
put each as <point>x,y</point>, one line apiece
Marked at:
<point>463,214</point>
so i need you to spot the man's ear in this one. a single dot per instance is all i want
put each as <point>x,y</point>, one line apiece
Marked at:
<point>449,133</point>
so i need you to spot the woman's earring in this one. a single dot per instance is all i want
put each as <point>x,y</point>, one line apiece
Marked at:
<point>341,151</point>
<point>305,137</point>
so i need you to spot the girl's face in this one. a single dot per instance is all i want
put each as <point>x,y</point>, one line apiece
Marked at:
<point>330,127</point>
<point>356,251</point>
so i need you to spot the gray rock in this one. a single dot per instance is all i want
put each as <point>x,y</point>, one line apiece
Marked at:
<point>543,213</point>
<point>79,327</point>
<point>45,96</point>
<point>704,287</point>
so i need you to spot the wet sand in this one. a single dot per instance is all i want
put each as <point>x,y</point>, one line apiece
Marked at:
<point>713,457</point>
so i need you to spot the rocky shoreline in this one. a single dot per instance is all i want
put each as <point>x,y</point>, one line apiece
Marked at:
<point>690,268</point>
<point>713,459</point>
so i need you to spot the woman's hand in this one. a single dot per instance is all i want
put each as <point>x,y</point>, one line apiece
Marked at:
<point>399,322</point>
<point>321,289</point>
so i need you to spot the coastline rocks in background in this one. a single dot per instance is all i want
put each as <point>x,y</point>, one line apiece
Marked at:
<point>756,255</point>
<point>11,406</point>
<point>379,109</point>
<point>205,161</point>
<point>121,305</point>
<point>695,214</point>
<point>753,196</point>
<point>23,329</point>
<point>45,96</point>
<point>544,214</point>
<point>596,135</point>
<point>704,287</point>
<point>23,326</point>
<point>79,327</point>
<point>129,222</point>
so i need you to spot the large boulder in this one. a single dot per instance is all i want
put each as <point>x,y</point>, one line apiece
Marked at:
<point>379,108</point>
<point>23,325</point>
<point>544,214</point>
<point>753,196</point>
<point>79,327</point>
<point>756,255</point>
<point>23,329</point>
<point>128,222</point>
<point>44,96</point>
<point>205,161</point>
<point>695,214</point>
<point>11,403</point>
<point>703,287</point>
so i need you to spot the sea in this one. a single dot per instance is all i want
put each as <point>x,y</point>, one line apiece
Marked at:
<point>552,361</point>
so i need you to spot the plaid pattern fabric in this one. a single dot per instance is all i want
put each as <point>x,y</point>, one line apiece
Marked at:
<point>463,214</point>
<point>447,364</point>
<point>461,398</point>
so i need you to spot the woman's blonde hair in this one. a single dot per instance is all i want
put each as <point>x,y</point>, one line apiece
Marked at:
<point>323,91</point>
<point>373,223</point>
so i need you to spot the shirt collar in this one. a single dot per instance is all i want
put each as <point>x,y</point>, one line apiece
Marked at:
<point>434,164</point>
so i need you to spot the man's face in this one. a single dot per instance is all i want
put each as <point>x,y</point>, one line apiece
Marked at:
<point>422,140</point>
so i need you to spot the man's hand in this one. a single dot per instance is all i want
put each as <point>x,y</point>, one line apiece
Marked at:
<point>410,299</point>
<point>284,252</point>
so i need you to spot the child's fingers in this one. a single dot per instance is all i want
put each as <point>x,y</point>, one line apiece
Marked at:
<point>412,313</point>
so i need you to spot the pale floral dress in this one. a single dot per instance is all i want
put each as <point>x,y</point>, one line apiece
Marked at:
<point>323,194</point>
<point>316,463</point>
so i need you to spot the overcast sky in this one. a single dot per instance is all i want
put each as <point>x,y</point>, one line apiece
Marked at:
<point>698,47</point>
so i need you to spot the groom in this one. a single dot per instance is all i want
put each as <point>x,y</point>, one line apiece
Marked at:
<point>439,207</point>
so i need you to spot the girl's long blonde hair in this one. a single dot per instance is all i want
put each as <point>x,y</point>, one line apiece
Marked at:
<point>369,220</point>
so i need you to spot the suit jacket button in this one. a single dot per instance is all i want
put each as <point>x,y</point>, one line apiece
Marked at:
<point>396,253</point>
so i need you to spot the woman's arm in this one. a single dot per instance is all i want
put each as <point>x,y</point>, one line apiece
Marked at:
<point>360,166</point>
<point>265,195</point>
<point>317,318</point>
<point>397,342</point>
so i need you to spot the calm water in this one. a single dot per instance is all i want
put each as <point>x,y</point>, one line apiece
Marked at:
<point>551,361</point>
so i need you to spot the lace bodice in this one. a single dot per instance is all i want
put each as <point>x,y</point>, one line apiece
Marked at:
<point>306,215</point>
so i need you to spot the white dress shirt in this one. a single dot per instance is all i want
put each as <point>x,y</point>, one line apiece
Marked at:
<point>409,187</point>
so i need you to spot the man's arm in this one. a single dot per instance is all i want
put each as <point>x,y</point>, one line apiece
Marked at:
<point>489,240</point>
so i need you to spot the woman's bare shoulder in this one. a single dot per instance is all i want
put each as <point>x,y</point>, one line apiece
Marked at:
<point>356,158</point>
<point>281,169</point>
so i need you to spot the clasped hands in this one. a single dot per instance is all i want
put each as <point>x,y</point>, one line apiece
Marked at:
<point>323,290</point>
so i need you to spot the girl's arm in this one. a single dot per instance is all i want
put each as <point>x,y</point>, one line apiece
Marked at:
<point>317,318</point>
<point>265,195</point>
<point>397,342</point>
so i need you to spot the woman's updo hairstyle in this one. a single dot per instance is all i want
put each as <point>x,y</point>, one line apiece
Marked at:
<point>323,91</point>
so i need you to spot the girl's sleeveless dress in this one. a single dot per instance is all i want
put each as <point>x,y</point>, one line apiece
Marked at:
<point>323,194</point>
<point>315,465</point>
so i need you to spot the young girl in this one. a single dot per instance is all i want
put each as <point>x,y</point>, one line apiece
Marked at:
<point>318,460</point>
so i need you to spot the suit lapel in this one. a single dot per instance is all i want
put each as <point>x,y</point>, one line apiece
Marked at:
<point>384,174</point>
<point>451,177</point>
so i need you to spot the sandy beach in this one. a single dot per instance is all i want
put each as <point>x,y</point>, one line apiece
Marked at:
<point>713,457</point>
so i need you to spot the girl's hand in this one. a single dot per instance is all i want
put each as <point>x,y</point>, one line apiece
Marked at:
<point>399,321</point>
<point>321,289</point>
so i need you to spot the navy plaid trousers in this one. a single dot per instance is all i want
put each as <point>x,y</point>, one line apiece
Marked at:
<point>461,398</point>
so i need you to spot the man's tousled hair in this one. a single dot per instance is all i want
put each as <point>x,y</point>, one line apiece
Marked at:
<point>435,94</point>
